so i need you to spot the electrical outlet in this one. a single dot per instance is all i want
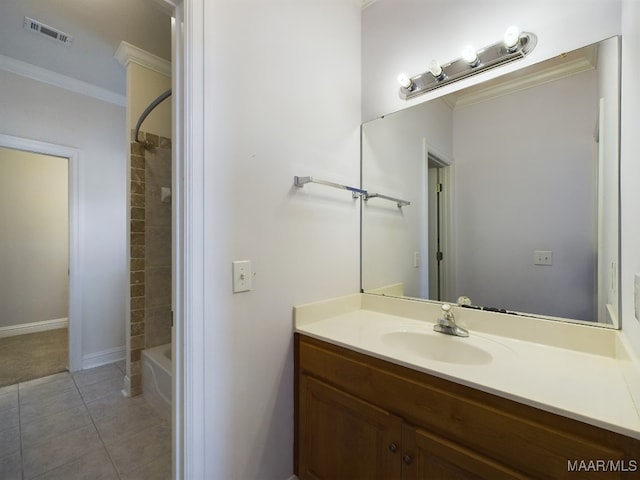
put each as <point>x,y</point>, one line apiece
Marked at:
<point>416,259</point>
<point>241,276</point>
<point>543,257</point>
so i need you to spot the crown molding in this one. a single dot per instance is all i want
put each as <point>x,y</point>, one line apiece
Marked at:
<point>366,3</point>
<point>499,89</point>
<point>28,70</point>
<point>168,6</point>
<point>127,53</point>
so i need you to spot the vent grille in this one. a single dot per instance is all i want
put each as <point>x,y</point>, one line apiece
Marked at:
<point>47,31</point>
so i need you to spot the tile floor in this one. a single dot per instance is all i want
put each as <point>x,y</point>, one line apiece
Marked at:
<point>81,427</point>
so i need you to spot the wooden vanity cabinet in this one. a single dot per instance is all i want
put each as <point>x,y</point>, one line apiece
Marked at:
<point>345,437</point>
<point>427,455</point>
<point>358,417</point>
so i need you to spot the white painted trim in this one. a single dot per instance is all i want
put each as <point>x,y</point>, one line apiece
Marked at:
<point>111,355</point>
<point>178,400</point>
<point>365,3</point>
<point>498,89</point>
<point>126,385</point>
<point>190,438</point>
<point>50,77</point>
<point>127,53</point>
<point>76,198</point>
<point>34,327</point>
<point>167,6</point>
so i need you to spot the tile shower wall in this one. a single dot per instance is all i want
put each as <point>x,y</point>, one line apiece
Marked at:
<point>150,250</point>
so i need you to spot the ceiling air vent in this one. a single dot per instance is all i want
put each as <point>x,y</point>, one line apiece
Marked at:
<point>47,31</point>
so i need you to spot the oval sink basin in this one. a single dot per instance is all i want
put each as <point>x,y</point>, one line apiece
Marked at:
<point>441,348</point>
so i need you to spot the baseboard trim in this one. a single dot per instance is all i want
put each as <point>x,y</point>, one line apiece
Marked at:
<point>126,387</point>
<point>35,327</point>
<point>104,357</point>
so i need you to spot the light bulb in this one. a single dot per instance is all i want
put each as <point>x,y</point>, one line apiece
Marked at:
<point>470,56</point>
<point>404,80</point>
<point>435,68</point>
<point>511,37</point>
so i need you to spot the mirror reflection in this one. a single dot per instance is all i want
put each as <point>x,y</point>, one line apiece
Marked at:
<point>513,185</point>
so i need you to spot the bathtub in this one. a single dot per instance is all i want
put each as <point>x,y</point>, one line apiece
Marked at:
<point>156,378</point>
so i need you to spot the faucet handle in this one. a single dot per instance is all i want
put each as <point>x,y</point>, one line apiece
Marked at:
<point>447,314</point>
<point>447,323</point>
<point>464,300</point>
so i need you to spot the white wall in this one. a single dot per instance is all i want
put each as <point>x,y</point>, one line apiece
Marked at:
<point>34,237</point>
<point>41,112</point>
<point>404,35</point>
<point>394,164</point>
<point>525,179</point>
<point>143,87</point>
<point>282,98</point>
<point>630,167</point>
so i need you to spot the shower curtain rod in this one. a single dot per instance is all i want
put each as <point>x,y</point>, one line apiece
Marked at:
<point>148,110</point>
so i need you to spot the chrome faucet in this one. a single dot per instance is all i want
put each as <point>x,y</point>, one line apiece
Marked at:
<point>447,324</point>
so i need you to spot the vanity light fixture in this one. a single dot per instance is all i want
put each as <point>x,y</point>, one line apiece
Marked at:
<point>470,55</point>
<point>514,46</point>
<point>511,38</point>
<point>436,70</point>
<point>404,80</point>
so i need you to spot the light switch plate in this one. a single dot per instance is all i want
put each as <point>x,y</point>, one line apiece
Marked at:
<point>242,276</point>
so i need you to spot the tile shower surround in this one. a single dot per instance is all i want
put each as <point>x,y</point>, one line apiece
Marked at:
<point>150,255</point>
<point>79,426</point>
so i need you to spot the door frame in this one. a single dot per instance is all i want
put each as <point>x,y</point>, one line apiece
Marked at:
<point>187,232</point>
<point>189,440</point>
<point>447,273</point>
<point>74,157</point>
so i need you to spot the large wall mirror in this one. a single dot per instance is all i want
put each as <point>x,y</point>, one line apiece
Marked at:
<point>514,191</point>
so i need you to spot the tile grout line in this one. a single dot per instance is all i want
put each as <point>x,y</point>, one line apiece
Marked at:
<point>20,434</point>
<point>75,385</point>
<point>93,421</point>
<point>104,445</point>
<point>19,451</point>
<point>20,426</point>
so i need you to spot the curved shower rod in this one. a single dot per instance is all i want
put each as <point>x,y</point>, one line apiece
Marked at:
<point>148,110</point>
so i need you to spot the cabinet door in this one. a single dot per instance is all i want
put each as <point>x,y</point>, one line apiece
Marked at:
<point>342,437</point>
<point>428,456</point>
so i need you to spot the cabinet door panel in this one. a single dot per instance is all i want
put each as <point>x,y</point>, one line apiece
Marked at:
<point>436,458</point>
<point>342,437</point>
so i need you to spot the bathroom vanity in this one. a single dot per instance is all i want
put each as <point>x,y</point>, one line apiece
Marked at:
<point>380,395</point>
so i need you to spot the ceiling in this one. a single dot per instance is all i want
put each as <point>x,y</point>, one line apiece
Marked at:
<point>97,28</point>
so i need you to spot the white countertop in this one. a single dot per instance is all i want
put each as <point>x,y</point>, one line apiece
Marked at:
<point>589,379</point>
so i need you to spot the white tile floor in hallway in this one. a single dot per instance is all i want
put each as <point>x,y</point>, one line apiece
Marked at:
<point>81,427</point>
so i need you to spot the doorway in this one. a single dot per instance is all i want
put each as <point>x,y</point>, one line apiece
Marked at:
<point>46,255</point>
<point>439,225</point>
<point>34,263</point>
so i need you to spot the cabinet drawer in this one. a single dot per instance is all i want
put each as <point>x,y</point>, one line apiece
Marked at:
<point>525,438</point>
